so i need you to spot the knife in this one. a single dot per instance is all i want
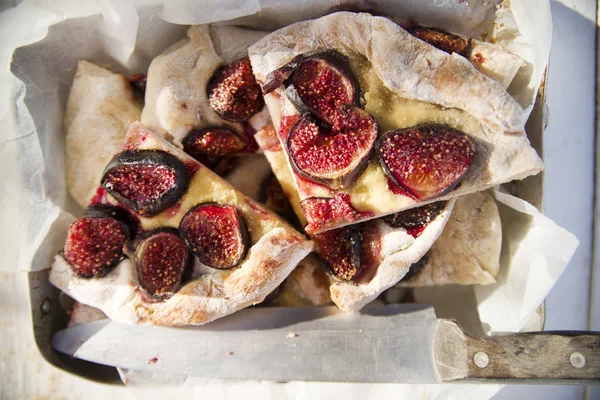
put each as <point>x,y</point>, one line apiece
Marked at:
<point>397,343</point>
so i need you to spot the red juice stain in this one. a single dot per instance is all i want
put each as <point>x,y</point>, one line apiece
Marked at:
<point>99,197</point>
<point>153,360</point>
<point>256,207</point>
<point>286,124</point>
<point>192,167</point>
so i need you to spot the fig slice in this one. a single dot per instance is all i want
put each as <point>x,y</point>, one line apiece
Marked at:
<point>425,160</point>
<point>415,217</point>
<point>215,141</point>
<point>442,40</point>
<point>216,235</point>
<point>319,83</point>
<point>340,251</point>
<point>147,181</point>
<point>161,260</point>
<point>334,158</point>
<point>233,92</point>
<point>95,242</point>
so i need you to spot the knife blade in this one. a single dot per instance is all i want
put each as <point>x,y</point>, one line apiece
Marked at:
<point>397,343</point>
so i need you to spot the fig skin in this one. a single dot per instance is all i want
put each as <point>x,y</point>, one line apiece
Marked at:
<point>161,280</point>
<point>426,160</point>
<point>132,161</point>
<point>194,226</point>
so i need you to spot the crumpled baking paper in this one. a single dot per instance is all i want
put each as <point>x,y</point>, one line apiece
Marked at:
<point>43,40</point>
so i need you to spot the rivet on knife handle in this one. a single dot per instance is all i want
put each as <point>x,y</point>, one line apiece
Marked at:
<point>545,357</point>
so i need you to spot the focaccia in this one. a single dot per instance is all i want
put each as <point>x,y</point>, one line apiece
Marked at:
<point>374,121</point>
<point>366,258</point>
<point>468,251</point>
<point>100,107</point>
<point>203,85</point>
<point>165,241</point>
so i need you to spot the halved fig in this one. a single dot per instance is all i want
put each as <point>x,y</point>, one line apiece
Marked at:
<point>332,157</point>
<point>161,260</point>
<point>321,84</point>
<point>425,160</point>
<point>340,251</point>
<point>147,181</point>
<point>215,234</point>
<point>233,92</point>
<point>415,217</point>
<point>215,141</point>
<point>443,40</point>
<point>94,244</point>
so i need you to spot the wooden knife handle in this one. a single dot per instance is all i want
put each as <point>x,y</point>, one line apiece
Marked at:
<point>565,357</point>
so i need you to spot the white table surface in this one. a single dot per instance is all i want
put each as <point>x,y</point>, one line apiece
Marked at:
<point>569,155</point>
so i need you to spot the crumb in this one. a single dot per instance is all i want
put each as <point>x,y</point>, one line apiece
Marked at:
<point>291,335</point>
<point>153,360</point>
<point>229,353</point>
<point>360,330</point>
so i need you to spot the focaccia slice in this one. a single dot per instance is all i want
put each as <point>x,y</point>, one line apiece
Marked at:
<point>404,124</point>
<point>468,251</point>
<point>366,258</point>
<point>201,93</point>
<point>233,267</point>
<point>100,108</point>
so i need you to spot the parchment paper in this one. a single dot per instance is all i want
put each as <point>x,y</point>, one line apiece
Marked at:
<point>49,38</point>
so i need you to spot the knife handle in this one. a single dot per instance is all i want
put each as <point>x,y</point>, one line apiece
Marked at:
<point>565,357</point>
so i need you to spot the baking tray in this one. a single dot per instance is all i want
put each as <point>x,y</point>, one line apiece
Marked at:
<point>47,304</point>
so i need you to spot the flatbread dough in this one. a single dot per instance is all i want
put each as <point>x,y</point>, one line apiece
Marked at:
<point>275,249</point>
<point>176,100</point>
<point>468,251</point>
<point>100,108</point>
<point>405,82</point>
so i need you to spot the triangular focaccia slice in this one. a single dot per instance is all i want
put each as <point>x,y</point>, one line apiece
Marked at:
<point>366,258</point>
<point>101,104</point>
<point>162,223</point>
<point>388,121</point>
<point>468,251</point>
<point>201,93</point>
